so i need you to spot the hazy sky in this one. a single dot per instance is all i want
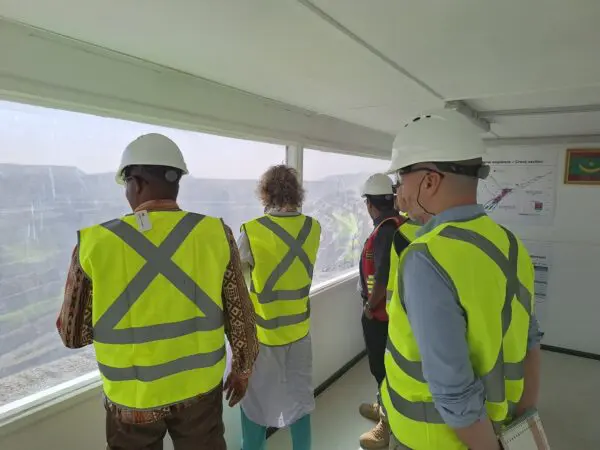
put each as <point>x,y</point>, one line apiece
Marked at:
<point>34,135</point>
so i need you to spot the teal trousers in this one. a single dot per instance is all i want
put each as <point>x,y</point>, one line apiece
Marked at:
<point>254,436</point>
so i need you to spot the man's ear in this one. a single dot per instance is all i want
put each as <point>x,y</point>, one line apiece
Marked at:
<point>138,184</point>
<point>433,182</point>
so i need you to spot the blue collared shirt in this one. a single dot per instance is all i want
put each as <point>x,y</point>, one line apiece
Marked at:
<point>439,325</point>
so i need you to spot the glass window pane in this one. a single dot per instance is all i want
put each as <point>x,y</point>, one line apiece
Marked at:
<point>57,176</point>
<point>332,182</point>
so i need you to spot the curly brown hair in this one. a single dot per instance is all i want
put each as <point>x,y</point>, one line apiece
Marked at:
<point>279,187</point>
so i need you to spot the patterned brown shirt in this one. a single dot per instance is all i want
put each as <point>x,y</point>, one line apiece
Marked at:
<point>74,322</point>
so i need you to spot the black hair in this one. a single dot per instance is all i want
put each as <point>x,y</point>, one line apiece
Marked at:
<point>382,202</point>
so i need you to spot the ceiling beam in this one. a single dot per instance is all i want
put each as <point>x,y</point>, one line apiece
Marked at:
<point>470,113</point>
<point>45,69</point>
<point>360,41</point>
<point>544,140</point>
<point>543,111</point>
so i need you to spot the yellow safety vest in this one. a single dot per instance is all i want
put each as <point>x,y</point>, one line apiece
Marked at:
<point>409,231</point>
<point>157,308</point>
<point>284,249</point>
<point>493,278</point>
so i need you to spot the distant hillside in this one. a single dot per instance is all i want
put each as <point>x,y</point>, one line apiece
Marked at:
<point>41,209</point>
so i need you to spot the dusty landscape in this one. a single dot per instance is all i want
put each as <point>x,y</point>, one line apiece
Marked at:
<point>38,224</point>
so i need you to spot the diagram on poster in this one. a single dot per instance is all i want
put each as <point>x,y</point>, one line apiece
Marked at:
<point>520,190</point>
<point>541,257</point>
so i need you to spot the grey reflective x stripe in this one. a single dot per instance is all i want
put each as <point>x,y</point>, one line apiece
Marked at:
<point>508,266</point>
<point>283,321</point>
<point>417,411</point>
<point>269,294</point>
<point>158,261</point>
<point>494,381</point>
<point>388,296</point>
<point>422,248</point>
<point>156,372</point>
<point>411,368</point>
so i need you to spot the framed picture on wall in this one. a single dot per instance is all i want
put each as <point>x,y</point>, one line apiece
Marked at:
<point>582,166</point>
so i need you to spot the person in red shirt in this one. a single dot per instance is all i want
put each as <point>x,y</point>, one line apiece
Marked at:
<point>378,193</point>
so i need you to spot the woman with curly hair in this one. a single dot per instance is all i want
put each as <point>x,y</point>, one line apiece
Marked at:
<point>278,252</point>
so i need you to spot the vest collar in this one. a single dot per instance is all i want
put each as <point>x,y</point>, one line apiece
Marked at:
<point>280,213</point>
<point>158,205</point>
<point>456,214</point>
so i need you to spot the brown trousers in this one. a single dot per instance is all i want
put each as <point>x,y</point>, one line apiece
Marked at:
<point>197,427</point>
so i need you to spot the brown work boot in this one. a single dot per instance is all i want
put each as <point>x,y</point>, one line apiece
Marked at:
<point>370,411</point>
<point>378,437</point>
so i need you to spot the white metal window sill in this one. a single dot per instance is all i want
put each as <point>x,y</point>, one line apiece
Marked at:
<point>34,408</point>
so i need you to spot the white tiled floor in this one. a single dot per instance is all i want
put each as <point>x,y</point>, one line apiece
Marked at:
<point>570,395</point>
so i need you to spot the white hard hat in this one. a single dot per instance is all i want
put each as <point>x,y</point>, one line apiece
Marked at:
<point>378,184</point>
<point>439,136</point>
<point>151,150</point>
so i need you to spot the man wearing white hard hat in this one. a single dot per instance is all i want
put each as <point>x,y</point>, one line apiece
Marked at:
<point>374,269</point>
<point>156,292</point>
<point>463,351</point>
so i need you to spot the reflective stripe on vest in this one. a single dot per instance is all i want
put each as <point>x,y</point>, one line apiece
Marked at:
<point>268,294</point>
<point>153,373</point>
<point>494,381</point>
<point>288,320</point>
<point>158,261</point>
<point>389,293</point>
<point>408,230</point>
<point>283,321</point>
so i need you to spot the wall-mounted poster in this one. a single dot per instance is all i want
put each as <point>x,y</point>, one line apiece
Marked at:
<point>541,257</point>
<point>521,187</point>
<point>582,166</point>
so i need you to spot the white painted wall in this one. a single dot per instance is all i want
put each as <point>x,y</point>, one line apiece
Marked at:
<point>78,423</point>
<point>573,300</point>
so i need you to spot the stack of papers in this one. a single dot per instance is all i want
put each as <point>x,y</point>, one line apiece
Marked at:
<point>525,433</point>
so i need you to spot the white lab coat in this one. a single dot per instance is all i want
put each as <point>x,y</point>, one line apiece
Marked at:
<point>280,390</point>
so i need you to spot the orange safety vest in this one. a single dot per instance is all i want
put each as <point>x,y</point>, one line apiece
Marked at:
<point>367,262</point>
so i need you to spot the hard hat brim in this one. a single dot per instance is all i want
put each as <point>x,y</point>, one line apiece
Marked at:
<point>436,136</point>
<point>420,160</point>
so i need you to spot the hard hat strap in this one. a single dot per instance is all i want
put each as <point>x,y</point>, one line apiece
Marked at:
<point>412,169</point>
<point>474,171</point>
<point>458,169</point>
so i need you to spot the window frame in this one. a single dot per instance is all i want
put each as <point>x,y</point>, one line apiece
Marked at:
<point>34,407</point>
<point>350,272</point>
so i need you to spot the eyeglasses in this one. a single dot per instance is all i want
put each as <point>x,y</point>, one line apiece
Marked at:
<point>412,169</point>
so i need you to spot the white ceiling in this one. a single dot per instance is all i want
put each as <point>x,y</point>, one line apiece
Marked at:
<point>369,62</point>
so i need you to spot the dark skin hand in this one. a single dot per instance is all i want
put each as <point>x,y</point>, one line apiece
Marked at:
<point>235,388</point>
<point>377,296</point>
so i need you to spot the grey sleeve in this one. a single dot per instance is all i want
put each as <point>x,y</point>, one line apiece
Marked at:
<point>246,257</point>
<point>245,253</point>
<point>439,326</point>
